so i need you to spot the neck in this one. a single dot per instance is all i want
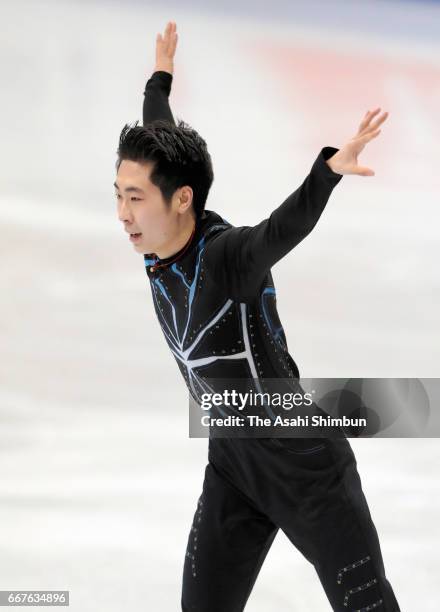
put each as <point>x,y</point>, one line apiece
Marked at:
<point>183,235</point>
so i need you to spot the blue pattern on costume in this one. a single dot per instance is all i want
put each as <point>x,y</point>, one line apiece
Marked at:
<point>277,332</point>
<point>177,326</point>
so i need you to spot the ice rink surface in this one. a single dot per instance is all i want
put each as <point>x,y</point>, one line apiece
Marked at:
<point>99,481</point>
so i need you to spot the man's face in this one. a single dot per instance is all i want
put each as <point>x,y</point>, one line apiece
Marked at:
<point>149,222</point>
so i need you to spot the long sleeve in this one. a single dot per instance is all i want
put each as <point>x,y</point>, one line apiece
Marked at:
<point>157,91</point>
<point>240,257</point>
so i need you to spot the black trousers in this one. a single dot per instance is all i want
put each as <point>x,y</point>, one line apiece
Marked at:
<point>310,488</point>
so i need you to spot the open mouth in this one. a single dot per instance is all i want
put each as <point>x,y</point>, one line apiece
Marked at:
<point>135,237</point>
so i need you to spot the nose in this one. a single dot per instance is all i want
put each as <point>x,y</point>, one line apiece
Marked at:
<point>124,213</point>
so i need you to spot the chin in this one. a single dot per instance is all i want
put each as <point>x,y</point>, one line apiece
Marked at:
<point>139,247</point>
<point>142,250</point>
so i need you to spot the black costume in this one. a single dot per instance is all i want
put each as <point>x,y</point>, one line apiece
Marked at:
<point>217,309</point>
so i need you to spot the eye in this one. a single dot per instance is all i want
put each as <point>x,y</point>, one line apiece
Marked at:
<point>133,199</point>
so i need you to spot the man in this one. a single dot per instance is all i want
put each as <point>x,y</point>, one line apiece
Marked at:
<point>215,300</point>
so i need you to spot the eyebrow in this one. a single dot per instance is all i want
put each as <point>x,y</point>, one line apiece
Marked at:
<point>131,188</point>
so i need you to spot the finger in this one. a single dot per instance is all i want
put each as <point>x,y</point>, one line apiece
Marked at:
<point>370,114</point>
<point>373,127</point>
<point>360,170</point>
<point>173,44</point>
<point>365,124</point>
<point>172,39</point>
<point>364,171</point>
<point>374,112</point>
<point>166,34</point>
<point>379,121</point>
<point>370,135</point>
<point>364,121</point>
<point>366,136</point>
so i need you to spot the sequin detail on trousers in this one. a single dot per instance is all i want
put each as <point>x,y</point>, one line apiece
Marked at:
<point>349,567</point>
<point>376,604</point>
<point>362,587</point>
<point>191,551</point>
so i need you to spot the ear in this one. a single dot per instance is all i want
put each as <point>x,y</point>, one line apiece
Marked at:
<point>185,198</point>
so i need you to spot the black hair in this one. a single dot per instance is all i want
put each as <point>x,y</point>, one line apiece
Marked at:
<point>179,155</point>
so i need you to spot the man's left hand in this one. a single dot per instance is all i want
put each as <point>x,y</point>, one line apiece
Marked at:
<point>345,160</point>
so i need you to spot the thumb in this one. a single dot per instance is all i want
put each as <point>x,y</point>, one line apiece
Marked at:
<point>364,171</point>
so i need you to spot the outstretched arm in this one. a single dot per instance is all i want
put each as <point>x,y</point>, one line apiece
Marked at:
<point>240,257</point>
<point>158,87</point>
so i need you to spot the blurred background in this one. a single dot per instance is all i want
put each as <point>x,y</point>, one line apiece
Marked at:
<point>99,480</point>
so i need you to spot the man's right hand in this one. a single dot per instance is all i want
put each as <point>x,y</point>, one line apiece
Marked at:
<point>166,48</point>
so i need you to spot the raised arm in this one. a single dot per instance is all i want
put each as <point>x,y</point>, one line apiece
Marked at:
<point>240,257</point>
<point>158,87</point>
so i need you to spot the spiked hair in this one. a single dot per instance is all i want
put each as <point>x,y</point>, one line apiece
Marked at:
<point>179,154</point>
